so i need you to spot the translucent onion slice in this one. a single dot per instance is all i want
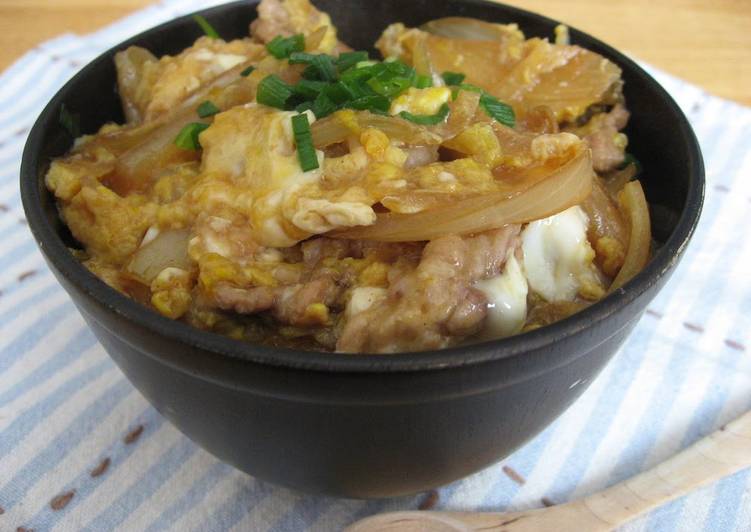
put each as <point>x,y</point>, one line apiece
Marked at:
<point>615,181</point>
<point>566,186</point>
<point>155,148</point>
<point>339,126</point>
<point>605,218</point>
<point>471,29</point>
<point>168,249</point>
<point>634,205</point>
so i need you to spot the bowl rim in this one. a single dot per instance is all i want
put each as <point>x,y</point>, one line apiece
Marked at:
<point>66,265</point>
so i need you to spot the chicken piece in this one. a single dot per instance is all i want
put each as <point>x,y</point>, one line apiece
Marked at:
<point>149,87</point>
<point>250,167</point>
<point>435,304</point>
<point>289,17</point>
<point>602,133</point>
<point>310,286</point>
<point>303,304</point>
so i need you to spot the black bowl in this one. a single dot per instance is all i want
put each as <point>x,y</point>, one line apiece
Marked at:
<point>365,425</point>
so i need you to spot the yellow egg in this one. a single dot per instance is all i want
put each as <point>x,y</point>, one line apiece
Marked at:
<point>421,101</point>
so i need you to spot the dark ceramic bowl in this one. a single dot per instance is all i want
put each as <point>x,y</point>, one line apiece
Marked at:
<point>365,425</point>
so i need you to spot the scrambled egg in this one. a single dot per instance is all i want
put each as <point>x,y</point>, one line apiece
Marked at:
<point>154,86</point>
<point>250,168</point>
<point>421,101</point>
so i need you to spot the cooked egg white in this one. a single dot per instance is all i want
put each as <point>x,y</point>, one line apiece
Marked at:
<point>558,256</point>
<point>507,300</point>
<point>362,298</point>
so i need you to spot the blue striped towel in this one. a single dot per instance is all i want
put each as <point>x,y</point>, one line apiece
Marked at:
<point>80,449</point>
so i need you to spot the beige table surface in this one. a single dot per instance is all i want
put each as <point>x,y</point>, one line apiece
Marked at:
<point>707,42</point>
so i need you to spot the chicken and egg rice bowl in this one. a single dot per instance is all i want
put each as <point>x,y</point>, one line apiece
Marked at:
<point>285,189</point>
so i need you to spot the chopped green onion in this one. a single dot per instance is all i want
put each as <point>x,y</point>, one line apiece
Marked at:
<point>207,109</point>
<point>306,153</point>
<point>389,87</point>
<point>365,64</point>
<point>373,103</point>
<point>322,68</point>
<point>207,28</point>
<point>301,58</point>
<point>338,92</point>
<point>427,120</point>
<point>470,87</point>
<point>355,74</point>
<point>282,47</point>
<point>453,78</point>
<point>397,68</point>
<point>305,106</point>
<point>247,72</point>
<point>187,139</point>
<point>274,92</point>
<point>70,121</point>
<point>357,89</point>
<point>308,89</point>
<point>423,81</point>
<point>498,110</point>
<point>347,60</point>
<point>323,106</point>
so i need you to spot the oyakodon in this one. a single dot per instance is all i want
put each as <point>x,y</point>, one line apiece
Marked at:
<point>285,189</point>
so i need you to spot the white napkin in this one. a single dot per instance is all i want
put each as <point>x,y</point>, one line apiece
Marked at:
<point>80,448</point>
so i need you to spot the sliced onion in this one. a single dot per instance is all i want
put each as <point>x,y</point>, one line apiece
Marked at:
<point>605,219</point>
<point>421,58</point>
<point>615,181</point>
<point>462,114</point>
<point>339,126</point>
<point>155,147</point>
<point>466,28</point>
<point>634,205</point>
<point>168,249</point>
<point>565,187</point>
<point>130,64</point>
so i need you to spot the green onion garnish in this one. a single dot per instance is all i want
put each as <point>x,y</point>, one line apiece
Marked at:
<point>498,110</point>
<point>305,106</point>
<point>247,72</point>
<point>453,78</point>
<point>70,121</point>
<point>427,120</point>
<point>347,60</point>
<point>322,68</point>
<point>207,28</point>
<point>207,109</point>
<point>308,89</point>
<point>389,87</point>
<point>306,153</point>
<point>282,47</point>
<point>470,87</point>
<point>323,106</point>
<point>301,58</point>
<point>187,139</point>
<point>423,82</point>
<point>274,92</point>
<point>373,103</point>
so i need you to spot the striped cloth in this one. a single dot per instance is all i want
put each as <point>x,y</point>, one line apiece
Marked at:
<point>80,449</point>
